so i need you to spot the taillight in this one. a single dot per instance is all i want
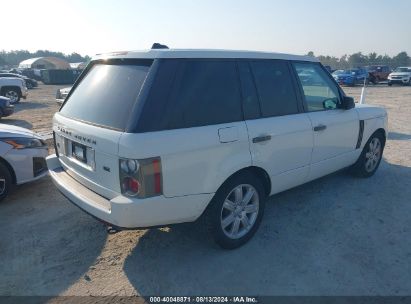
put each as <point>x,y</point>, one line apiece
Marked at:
<point>141,178</point>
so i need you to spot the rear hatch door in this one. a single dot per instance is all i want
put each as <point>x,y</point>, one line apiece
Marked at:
<point>93,118</point>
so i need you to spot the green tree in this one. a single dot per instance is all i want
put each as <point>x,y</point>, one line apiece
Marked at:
<point>401,59</point>
<point>357,60</point>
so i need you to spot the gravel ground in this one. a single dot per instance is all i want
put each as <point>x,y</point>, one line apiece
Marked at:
<point>335,236</point>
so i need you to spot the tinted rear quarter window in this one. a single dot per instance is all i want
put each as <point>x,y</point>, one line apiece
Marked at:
<point>275,87</point>
<point>107,94</point>
<point>205,92</point>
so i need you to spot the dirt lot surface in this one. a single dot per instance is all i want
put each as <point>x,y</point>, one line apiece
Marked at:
<point>335,236</point>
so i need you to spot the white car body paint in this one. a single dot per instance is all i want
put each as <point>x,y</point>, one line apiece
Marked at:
<point>196,161</point>
<point>20,160</point>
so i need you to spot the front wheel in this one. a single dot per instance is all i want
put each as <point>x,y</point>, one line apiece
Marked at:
<point>370,157</point>
<point>235,212</point>
<point>5,181</point>
<point>13,95</point>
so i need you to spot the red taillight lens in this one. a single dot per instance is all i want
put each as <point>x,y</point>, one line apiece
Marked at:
<point>141,177</point>
<point>130,186</point>
<point>157,176</point>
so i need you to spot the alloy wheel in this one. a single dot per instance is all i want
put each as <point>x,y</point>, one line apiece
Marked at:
<point>373,154</point>
<point>2,185</point>
<point>239,211</point>
<point>13,95</point>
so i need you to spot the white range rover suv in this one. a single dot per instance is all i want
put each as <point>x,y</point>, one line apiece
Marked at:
<point>159,137</point>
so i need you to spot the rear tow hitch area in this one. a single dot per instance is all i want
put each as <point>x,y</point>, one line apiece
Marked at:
<point>112,229</point>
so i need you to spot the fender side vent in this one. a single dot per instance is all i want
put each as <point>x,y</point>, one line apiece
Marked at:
<point>360,134</point>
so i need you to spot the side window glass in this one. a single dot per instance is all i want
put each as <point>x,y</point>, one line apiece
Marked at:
<point>251,105</point>
<point>275,87</point>
<point>321,93</point>
<point>205,92</point>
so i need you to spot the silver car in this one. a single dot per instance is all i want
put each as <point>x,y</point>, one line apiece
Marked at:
<point>22,157</point>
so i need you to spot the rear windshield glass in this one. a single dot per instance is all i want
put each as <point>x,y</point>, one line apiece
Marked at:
<point>107,94</point>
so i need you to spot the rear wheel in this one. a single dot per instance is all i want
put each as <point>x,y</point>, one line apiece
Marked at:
<point>5,181</point>
<point>235,212</point>
<point>370,157</point>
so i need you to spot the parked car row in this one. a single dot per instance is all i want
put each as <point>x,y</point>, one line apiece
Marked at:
<point>30,83</point>
<point>373,74</point>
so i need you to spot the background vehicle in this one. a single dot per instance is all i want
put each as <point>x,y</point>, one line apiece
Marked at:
<point>351,77</point>
<point>166,136</point>
<point>6,109</point>
<point>22,157</point>
<point>401,75</point>
<point>30,83</point>
<point>13,88</point>
<point>61,94</point>
<point>378,73</point>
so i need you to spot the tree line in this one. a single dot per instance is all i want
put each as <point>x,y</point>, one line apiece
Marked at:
<point>13,58</point>
<point>359,60</point>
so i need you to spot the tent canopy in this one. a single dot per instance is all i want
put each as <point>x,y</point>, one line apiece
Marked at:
<point>45,63</point>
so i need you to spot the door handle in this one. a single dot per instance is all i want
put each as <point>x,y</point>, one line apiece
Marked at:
<point>320,128</point>
<point>262,138</point>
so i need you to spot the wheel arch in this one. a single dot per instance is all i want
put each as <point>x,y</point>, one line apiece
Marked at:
<point>17,88</point>
<point>10,168</point>
<point>258,172</point>
<point>383,134</point>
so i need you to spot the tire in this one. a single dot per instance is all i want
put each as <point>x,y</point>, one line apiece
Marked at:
<point>389,84</point>
<point>5,181</point>
<point>370,157</point>
<point>13,94</point>
<point>227,217</point>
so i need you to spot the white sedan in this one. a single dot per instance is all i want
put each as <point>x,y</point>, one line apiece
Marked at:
<point>22,157</point>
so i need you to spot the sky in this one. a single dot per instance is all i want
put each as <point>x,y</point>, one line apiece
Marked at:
<point>325,27</point>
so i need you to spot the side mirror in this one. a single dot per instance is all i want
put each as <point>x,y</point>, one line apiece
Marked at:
<point>347,103</point>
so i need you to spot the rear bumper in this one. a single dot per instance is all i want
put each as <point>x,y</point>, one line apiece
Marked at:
<point>24,93</point>
<point>125,212</point>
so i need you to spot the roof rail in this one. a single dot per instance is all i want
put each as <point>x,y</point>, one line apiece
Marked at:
<point>158,46</point>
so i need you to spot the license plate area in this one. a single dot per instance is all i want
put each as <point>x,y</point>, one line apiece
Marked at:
<point>79,152</point>
<point>76,152</point>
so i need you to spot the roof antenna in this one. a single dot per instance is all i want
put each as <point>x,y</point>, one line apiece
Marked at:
<point>156,46</point>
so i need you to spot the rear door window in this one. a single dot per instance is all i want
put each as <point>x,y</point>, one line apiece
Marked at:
<point>275,87</point>
<point>205,92</point>
<point>107,94</point>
